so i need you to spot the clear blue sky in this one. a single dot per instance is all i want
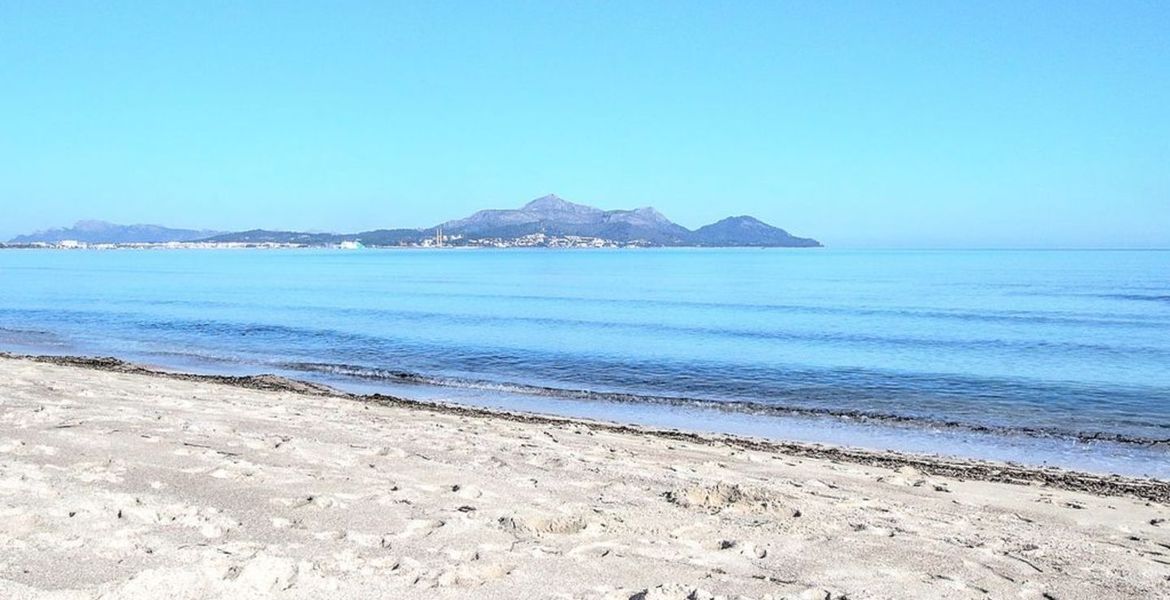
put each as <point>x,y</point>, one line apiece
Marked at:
<point>860,123</point>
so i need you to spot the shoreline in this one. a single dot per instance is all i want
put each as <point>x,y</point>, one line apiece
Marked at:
<point>120,481</point>
<point>1106,485</point>
<point>752,406</point>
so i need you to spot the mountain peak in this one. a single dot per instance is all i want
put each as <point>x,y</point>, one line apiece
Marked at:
<point>93,225</point>
<point>743,221</point>
<point>547,201</point>
<point>749,231</point>
<point>550,202</point>
<point>651,213</point>
<point>642,217</point>
<point>553,205</point>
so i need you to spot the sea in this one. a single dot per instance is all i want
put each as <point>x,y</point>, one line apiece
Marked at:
<point>1058,358</point>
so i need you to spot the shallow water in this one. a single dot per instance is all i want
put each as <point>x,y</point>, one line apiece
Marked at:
<point>1059,357</point>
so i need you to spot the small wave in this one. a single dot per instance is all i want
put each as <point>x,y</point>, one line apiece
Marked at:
<point>220,328</point>
<point>204,357</point>
<point>907,312</point>
<point>1138,297</point>
<point>38,337</point>
<point>740,406</point>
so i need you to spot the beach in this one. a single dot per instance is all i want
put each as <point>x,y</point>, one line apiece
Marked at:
<point>1058,361</point>
<point>119,482</point>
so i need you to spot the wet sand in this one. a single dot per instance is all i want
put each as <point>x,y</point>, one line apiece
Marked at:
<point>117,481</point>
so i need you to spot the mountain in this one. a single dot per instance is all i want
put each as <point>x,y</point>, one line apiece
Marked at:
<point>265,236</point>
<point>544,209</point>
<point>390,237</point>
<point>748,231</point>
<point>377,237</point>
<point>101,232</point>
<point>549,215</point>
<point>552,215</point>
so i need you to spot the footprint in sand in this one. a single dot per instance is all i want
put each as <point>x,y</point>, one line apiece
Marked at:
<point>266,574</point>
<point>672,592</point>
<point>329,535</point>
<point>235,470</point>
<point>596,550</point>
<point>420,527</point>
<point>752,550</point>
<point>386,452</point>
<point>108,472</point>
<point>722,496</point>
<point>468,575</point>
<point>311,501</point>
<point>368,540</point>
<point>20,448</point>
<point>283,523</point>
<point>465,569</point>
<point>468,492</point>
<point>541,524</point>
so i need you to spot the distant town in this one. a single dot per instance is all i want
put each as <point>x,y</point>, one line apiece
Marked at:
<point>534,240</point>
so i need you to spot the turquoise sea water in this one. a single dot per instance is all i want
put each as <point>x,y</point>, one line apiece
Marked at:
<point>1058,357</point>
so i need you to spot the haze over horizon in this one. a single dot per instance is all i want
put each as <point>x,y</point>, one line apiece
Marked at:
<point>919,124</point>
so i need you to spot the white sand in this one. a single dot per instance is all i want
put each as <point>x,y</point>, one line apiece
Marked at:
<point>119,485</point>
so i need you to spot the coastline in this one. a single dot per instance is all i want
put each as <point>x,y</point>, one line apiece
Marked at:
<point>1154,490</point>
<point>755,407</point>
<point>904,370</point>
<point>118,481</point>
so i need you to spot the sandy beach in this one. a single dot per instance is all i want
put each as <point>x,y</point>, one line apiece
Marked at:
<point>120,483</point>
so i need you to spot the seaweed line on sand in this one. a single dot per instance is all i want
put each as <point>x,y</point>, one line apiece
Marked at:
<point>1153,490</point>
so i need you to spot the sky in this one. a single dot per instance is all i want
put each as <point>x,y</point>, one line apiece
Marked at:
<point>862,124</point>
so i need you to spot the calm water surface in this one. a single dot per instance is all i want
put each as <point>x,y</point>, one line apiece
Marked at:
<point>1058,357</point>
